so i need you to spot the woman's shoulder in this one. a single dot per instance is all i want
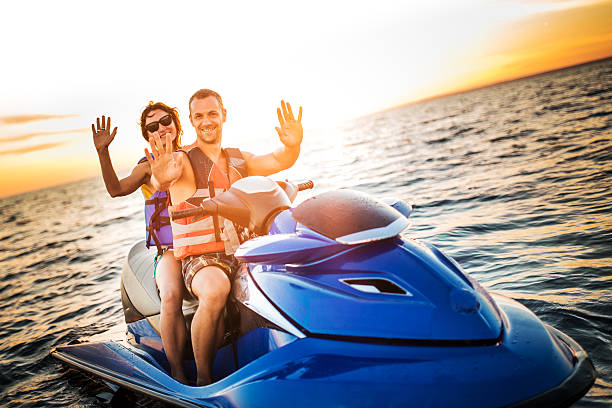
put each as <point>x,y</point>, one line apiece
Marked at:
<point>147,191</point>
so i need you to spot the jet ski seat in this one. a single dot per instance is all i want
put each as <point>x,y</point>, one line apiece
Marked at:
<point>138,289</point>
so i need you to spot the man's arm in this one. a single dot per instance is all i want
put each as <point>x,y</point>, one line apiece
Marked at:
<point>102,137</point>
<point>290,134</point>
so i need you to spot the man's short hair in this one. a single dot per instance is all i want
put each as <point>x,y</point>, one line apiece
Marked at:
<point>171,111</point>
<point>205,93</point>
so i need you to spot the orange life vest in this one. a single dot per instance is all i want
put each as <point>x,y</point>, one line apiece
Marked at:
<point>200,236</point>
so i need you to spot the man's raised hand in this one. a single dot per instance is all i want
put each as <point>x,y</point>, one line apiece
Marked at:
<point>290,131</point>
<point>102,135</point>
<point>166,168</point>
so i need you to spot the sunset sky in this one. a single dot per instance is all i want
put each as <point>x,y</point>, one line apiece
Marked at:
<point>66,62</point>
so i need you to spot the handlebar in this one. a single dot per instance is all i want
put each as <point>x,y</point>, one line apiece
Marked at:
<point>305,185</point>
<point>210,207</point>
<point>207,207</point>
<point>192,212</point>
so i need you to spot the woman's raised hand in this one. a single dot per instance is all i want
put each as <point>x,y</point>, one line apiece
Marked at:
<point>102,135</point>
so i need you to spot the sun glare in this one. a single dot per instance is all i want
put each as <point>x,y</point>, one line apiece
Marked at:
<point>350,60</point>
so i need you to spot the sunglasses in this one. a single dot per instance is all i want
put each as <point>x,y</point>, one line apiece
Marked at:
<point>153,126</point>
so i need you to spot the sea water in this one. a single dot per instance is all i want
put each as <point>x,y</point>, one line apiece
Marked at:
<point>514,181</point>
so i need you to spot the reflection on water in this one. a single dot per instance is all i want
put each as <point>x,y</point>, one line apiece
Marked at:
<point>513,181</point>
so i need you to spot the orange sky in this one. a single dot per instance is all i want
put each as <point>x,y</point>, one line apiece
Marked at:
<point>348,61</point>
<point>547,41</point>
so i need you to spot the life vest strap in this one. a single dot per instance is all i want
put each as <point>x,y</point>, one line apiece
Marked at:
<point>157,221</point>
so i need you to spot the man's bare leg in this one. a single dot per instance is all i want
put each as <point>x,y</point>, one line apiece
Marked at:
<point>172,322</point>
<point>220,332</point>
<point>211,287</point>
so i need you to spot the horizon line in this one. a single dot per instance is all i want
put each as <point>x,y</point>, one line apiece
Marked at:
<point>415,102</point>
<point>477,87</point>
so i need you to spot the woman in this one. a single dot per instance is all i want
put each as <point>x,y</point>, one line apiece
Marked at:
<point>156,118</point>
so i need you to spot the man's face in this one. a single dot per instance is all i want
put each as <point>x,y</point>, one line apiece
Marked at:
<point>158,117</point>
<point>207,117</point>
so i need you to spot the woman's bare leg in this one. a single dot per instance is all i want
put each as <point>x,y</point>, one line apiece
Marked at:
<point>173,330</point>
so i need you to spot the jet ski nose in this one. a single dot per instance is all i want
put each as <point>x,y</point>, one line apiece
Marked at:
<point>464,301</point>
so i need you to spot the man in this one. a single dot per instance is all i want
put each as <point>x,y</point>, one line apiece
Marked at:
<point>196,175</point>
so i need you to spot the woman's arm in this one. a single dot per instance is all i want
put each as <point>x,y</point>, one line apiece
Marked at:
<point>102,137</point>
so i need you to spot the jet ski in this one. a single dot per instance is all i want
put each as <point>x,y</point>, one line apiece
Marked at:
<point>333,306</point>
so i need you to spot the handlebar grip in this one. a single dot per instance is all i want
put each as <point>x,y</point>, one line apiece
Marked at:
<point>192,212</point>
<point>305,185</point>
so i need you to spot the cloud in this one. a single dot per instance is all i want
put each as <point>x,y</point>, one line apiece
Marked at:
<point>19,119</point>
<point>35,148</point>
<point>37,134</point>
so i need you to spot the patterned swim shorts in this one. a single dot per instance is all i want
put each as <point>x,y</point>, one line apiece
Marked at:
<point>194,263</point>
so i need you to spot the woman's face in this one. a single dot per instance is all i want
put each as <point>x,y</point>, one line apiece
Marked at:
<point>160,122</point>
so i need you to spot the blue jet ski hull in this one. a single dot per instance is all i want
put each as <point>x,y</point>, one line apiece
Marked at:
<point>535,365</point>
<point>332,307</point>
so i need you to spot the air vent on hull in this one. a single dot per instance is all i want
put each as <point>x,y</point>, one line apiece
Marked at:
<point>376,285</point>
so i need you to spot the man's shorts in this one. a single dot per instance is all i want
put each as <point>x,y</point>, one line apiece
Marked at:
<point>194,263</point>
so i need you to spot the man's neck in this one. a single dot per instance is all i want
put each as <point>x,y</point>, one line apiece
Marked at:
<point>212,150</point>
